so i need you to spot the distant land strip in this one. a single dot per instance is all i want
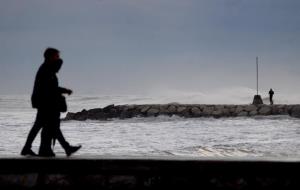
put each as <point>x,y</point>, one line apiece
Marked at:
<point>183,110</point>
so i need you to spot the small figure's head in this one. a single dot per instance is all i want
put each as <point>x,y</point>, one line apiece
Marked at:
<point>51,54</point>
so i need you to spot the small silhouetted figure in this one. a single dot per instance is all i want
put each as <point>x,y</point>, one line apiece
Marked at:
<point>46,99</point>
<point>271,93</point>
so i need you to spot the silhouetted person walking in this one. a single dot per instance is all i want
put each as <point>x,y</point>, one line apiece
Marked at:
<point>271,93</point>
<point>46,98</point>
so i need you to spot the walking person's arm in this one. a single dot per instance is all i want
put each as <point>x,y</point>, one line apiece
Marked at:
<point>65,90</point>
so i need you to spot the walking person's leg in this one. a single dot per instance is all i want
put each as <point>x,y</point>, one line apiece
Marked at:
<point>61,139</point>
<point>45,147</point>
<point>47,135</point>
<point>32,134</point>
<point>66,146</point>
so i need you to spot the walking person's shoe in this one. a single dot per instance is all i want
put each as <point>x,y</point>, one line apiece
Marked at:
<point>72,149</point>
<point>27,152</point>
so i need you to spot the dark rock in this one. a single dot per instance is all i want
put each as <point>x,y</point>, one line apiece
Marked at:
<point>96,110</point>
<point>289,108</point>
<point>98,116</point>
<point>207,111</point>
<point>145,109</point>
<point>186,113</point>
<point>181,109</point>
<point>242,114</point>
<point>80,117</point>
<point>163,109</point>
<point>253,113</point>
<point>219,107</point>
<point>232,109</point>
<point>226,112</point>
<point>196,112</point>
<point>265,110</point>
<point>69,116</point>
<point>126,115</point>
<point>108,108</point>
<point>276,110</point>
<point>239,109</point>
<point>153,112</point>
<point>217,113</point>
<point>172,109</point>
<point>295,111</point>
<point>250,108</point>
<point>112,113</point>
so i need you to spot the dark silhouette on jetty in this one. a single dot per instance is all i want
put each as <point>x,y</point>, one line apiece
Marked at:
<point>271,94</point>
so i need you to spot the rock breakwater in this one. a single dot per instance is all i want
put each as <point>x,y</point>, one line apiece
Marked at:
<point>183,110</point>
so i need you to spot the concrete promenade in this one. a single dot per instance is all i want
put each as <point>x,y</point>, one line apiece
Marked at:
<point>148,173</point>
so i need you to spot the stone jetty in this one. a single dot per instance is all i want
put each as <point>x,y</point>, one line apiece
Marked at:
<point>183,110</point>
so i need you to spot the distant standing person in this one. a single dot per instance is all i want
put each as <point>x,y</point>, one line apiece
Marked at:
<point>46,99</point>
<point>271,93</point>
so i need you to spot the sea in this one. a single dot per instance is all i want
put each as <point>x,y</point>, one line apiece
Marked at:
<point>275,137</point>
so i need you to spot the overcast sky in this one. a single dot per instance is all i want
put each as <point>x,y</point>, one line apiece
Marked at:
<point>141,46</point>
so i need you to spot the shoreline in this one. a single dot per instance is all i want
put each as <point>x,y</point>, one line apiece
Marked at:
<point>183,110</point>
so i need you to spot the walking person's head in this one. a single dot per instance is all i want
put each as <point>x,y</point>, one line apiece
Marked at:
<point>51,54</point>
<point>57,65</point>
<point>52,57</point>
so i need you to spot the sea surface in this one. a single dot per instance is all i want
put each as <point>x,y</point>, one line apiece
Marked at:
<point>259,137</point>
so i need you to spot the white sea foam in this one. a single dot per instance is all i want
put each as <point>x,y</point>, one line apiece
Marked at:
<point>275,136</point>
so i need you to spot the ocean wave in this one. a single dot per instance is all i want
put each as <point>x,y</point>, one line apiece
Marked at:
<point>176,118</point>
<point>224,151</point>
<point>229,95</point>
<point>89,98</point>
